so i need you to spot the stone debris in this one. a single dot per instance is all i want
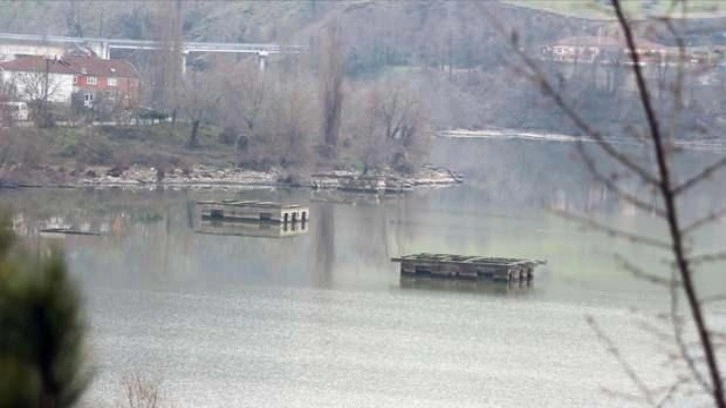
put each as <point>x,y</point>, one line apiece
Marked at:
<point>384,181</point>
<point>200,176</point>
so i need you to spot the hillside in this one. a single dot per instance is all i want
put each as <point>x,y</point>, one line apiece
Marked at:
<point>450,51</point>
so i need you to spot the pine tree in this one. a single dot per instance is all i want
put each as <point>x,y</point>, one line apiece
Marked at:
<point>42,328</point>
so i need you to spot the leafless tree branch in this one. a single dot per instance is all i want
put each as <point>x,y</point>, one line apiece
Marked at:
<point>640,273</point>
<point>672,211</point>
<point>677,324</point>
<point>611,185</point>
<point>629,236</point>
<point>615,352</point>
<point>707,257</point>
<point>540,79</point>
<point>702,175</point>
<point>713,216</point>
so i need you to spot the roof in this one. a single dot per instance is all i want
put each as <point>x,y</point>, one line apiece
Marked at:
<point>38,64</point>
<point>103,67</point>
<point>252,204</point>
<point>463,259</point>
<point>73,66</point>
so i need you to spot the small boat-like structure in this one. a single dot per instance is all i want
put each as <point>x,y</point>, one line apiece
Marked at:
<point>468,267</point>
<point>61,232</point>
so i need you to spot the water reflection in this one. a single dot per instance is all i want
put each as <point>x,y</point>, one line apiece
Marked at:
<point>324,260</point>
<point>252,228</point>
<point>326,317</point>
<point>523,288</point>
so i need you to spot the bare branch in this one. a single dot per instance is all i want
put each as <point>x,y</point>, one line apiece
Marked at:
<point>677,324</point>
<point>702,175</point>
<point>639,272</point>
<point>581,124</point>
<point>708,257</point>
<point>610,184</point>
<point>673,220</point>
<point>540,79</point>
<point>714,298</point>
<point>714,216</point>
<point>615,352</point>
<point>629,236</point>
<point>673,390</point>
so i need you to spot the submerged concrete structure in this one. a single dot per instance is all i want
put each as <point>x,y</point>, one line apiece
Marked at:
<point>467,267</point>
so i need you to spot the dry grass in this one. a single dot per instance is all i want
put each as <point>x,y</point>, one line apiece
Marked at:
<point>142,392</point>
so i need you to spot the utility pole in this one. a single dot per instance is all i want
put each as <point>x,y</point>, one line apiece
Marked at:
<point>44,119</point>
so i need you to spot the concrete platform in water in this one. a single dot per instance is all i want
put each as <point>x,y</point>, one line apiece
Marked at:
<point>467,267</point>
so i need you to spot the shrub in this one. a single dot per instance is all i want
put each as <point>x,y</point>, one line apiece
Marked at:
<point>42,328</point>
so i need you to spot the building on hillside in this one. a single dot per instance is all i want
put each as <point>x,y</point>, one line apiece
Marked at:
<point>36,78</point>
<point>112,80</point>
<point>13,51</point>
<point>603,49</point>
<point>90,79</point>
<point>611,48</point>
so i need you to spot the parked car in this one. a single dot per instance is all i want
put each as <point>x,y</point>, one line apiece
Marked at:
<point>17,111</point>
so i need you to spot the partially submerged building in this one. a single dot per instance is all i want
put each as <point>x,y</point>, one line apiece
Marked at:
<point>467,267</point>
<point>264,211</point>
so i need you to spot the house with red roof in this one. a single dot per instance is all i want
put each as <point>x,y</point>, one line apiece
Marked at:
<point>604,49</point>
<point>92,79</point>
<point>112,79</point>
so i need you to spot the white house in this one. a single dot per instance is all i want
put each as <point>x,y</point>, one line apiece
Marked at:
<point>30,78</point>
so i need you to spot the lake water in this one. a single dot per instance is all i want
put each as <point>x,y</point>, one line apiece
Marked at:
<point>322,319</point>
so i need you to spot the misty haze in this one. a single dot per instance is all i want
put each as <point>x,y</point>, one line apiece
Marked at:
<point>362,203</point>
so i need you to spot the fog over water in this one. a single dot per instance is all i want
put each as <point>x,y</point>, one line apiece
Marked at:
<point>323,318</point>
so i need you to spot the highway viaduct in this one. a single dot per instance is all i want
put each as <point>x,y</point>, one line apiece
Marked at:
<point>103,46</point>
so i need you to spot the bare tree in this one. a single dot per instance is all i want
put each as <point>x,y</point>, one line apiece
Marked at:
<point>39,87</point>
<point>366,133</point>
<point>388,125</point>
<point>168,61</point>
<point>658,132</point>
<point>244,96</point>
<point>294,120</point>
<point>332,70</point>
<point>199,96</point>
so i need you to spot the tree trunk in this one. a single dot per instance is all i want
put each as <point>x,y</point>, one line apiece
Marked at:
<point>193,141</point>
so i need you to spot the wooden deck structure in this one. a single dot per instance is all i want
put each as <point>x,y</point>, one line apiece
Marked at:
<point>467,267</point>
<point>262,211</point>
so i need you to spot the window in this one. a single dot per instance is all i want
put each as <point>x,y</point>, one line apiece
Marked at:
<point>92,80</point>
<point>112,82</point>
<point>88,99</point>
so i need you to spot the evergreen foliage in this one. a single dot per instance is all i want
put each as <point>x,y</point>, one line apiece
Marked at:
<point>42,328</point>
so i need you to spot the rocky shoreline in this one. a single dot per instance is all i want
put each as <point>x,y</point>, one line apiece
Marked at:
<point>207,177</point>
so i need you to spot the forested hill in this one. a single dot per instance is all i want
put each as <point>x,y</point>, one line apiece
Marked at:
<point>449,50</point>
<point>376,32</point>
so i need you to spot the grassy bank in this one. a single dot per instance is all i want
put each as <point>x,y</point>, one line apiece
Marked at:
<point>160,145</point>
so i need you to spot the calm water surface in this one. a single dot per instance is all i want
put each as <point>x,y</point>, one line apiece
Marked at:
<point>322,319</point>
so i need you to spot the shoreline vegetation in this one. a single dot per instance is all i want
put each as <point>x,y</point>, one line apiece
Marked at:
<point>157,156</point>
<point>202,176</point>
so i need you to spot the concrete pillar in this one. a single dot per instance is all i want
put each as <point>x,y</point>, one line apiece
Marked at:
<point>262,57</point>
<point>105,50</point>
<point>184,55</point>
